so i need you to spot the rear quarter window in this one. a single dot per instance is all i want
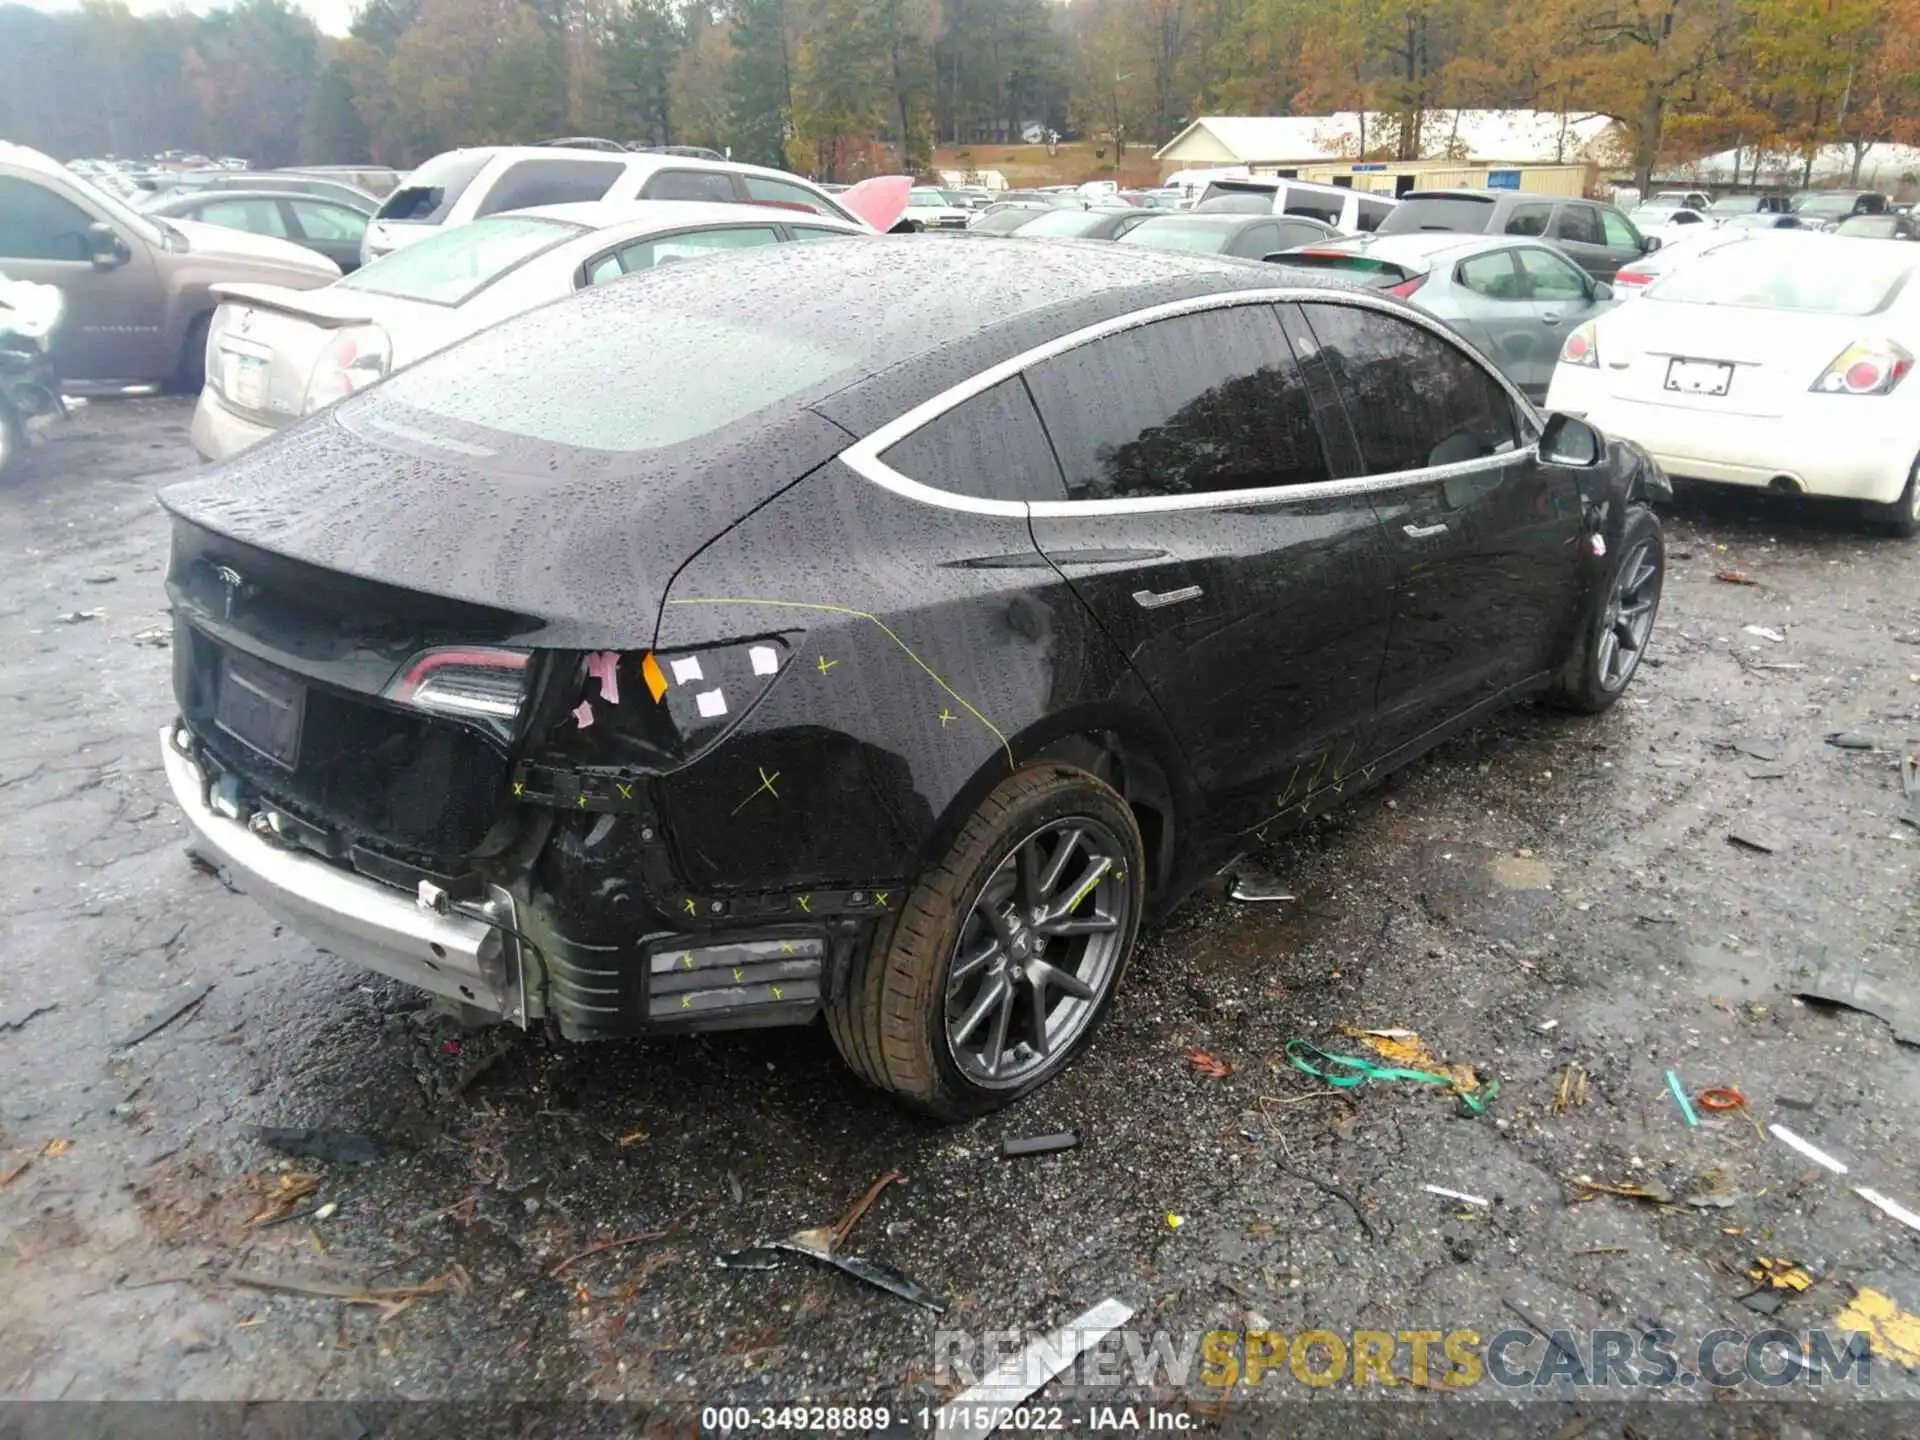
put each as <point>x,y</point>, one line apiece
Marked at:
<point>527,183</point>
<point>991,447</point>
<point>691,185</point>
<point>432,191</point>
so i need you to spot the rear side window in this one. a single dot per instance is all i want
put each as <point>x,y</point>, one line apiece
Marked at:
<point>691,185</point>
<point>814,232</point>
<point>260,217</point>
<point>990,447</point>
<point>435,188</point>
<point>1492,276</point>
<point>1292,235</point>
<point>1580,225</point>
<point>1466,214</point>
<point>665,249</point>
<point>320,221</point>
<point>1369,213</point>
<point>1415,400</point>
<point>1549,277</point>
<point>449,267</point>
<point>1192,405</point>
<point>1529,219</point>
<point>1315,207</point>
<point>527,183</point>
<point>781,192</point>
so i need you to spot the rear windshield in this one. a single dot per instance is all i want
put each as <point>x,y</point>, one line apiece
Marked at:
<point>1806,203</point>
<point>1172,234</point>
<point>1237,202</point>
<point>1735,205</point>
<point>456,264</point>
<point>1763,274</point>
<point>544,377</point>
<point>1362,267</point>
<point>1467,214</point>
<point>1065,222</point>
<point>435,188</point>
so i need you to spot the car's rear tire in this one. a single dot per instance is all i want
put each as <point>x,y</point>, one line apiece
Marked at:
<point>998,944</point>
<point>13,442</point>
<point>1901,518</point>
<point>191,373</point>
<point>1614,633</point>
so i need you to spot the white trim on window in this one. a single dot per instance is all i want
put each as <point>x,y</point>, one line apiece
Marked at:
<point>863,456</point>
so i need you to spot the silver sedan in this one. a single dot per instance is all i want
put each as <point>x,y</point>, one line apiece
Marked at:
<point>1516,299</point>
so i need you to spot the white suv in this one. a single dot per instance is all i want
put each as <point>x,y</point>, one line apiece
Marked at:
<point>462,185</point>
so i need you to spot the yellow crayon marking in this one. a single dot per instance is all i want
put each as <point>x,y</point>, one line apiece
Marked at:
<point>885,629</point>
<point>736,974</point>
<point>583,799</point>
<point>786,948</point>
<point>686,1002</point>
<point>1292,779</point>
<point>1087,887</point>
<point>946,717</point>
<point>687,961</point>
<point>690,907</point>
<point>777,993</point>
<point>766,784</point>
<point>1315,778</point>
<point>626,791</point>
<point>825,665</point>
<point>519,787</point>
<point>880,898</point>
<point>805,902</point>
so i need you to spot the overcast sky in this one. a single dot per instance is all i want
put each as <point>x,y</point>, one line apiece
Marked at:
<point>332,16</point>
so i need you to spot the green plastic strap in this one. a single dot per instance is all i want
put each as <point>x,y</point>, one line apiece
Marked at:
<point>1302,1054</point>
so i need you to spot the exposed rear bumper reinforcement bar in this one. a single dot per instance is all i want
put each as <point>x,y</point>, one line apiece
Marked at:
<point>451,955</point>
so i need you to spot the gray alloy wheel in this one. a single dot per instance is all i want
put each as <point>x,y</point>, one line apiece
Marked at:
<point>1037,953</point>
<point>1628,619</point>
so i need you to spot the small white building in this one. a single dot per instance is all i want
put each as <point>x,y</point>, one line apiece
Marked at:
<point>1889,168</point>
<point>1478,137</point>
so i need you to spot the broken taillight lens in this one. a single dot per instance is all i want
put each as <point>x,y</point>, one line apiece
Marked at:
<point>664,710</point>
<point>488,687</point>
<point>353,359</point>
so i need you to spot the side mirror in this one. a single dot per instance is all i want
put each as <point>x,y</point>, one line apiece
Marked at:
<point>1570,442</point>
<point>1649,244</point>
<point>1602,292</point>
<point>105,247</point>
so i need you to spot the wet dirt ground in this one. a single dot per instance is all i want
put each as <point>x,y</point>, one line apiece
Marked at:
<point>1543,893</point>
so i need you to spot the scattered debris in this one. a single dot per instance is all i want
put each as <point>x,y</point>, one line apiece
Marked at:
<point>1764,1302</point>
<point>605,1245</point>
<point>16,1019</point>
<point>1039,1144</point>
<point>1890,1330</point>
<point>391,1299</point>
<point>1888,1207</point>
<point>823,1242</point>
<point>78,617</point>
<point>1774,665</point>
<point>54,1149</point>
<point>1603,1250</point>
<point>1573,1089</point>
<point>285,1193</point>
<point>1680,1094</point>
<point>206,867</point>
<point>1546,1027</point>
<point>1462,1197</point>
<point>16,1172</point>
<point>1174,1222</point>
<point>168,1011</point>
<point>1848,740</point>
<point>158,638</point>
<point>1789,1102</point>
<point>1794,1142</point>
<point>1549,1336</point>
<point>327,1211</point>
<point>1750,839</point>
<point>1711,1202</point>
<point>1764,633</point>
<point>1756,749</point>
<point>1202,1062</point>
<point>1018,1376</point>
<point>1910,782</point>
<point>1653,1190</point>
<point>1722,1098</point>
<point>1779,1274</point>
<point>1766,772</point>
<point>632,1137</point>
<point>1849,982</point>
<point>1734,577</point>
<point>1413,1063</point>
<point>736,1192</point>
<point>307,1143</point>
<point>1257,886</point>
<point>101,577</point>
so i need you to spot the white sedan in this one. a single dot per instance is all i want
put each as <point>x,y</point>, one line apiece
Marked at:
<point>275,355</point>
<point>1776,362</point>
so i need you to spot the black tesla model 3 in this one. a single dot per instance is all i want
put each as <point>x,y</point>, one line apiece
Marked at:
<point>882,630</point>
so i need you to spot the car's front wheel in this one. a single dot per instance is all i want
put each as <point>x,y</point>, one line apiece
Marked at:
<point>1614,633</point>
<point>1005,955</point>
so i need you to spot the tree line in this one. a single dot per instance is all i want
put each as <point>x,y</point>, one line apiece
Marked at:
<point>845,88</point>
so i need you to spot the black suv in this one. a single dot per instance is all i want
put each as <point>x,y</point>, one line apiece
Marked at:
<point>1596,237</point>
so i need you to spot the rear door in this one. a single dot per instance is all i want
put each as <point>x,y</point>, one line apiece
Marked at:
<point>333,229</point>
<point>1249,593</point>
<point>1623,242</point>
<point>1560,297</point>
<point>1501,314</point>
<point>1578,231</point>
<point>1485,565</point>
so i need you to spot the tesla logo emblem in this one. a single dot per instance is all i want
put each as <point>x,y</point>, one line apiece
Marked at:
<point>230,578</point>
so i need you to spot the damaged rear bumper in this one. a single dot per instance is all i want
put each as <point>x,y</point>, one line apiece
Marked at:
<point>473,962</point>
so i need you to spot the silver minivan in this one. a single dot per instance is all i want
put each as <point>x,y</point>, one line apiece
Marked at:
<point>1353,212</point>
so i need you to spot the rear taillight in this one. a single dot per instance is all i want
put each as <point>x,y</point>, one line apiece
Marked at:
<point>1632,280</point>
<point>488,687</point>
<point>664,710</point>
<point>1866,367</point>
<point>354,358</point>
<point>1406,288</point>
<point>1581,347</point>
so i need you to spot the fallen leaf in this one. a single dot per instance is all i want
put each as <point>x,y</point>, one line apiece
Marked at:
<point>1204,1063</point>
<point>1889,1329</point>
<point>1780,1274</point>
<point>1734,577</point>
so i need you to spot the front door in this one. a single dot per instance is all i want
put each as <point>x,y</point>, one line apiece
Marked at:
<point>1560,298</point>
<point>1204,531</point>
<point>1484,540</point>
<point>111,330</point>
